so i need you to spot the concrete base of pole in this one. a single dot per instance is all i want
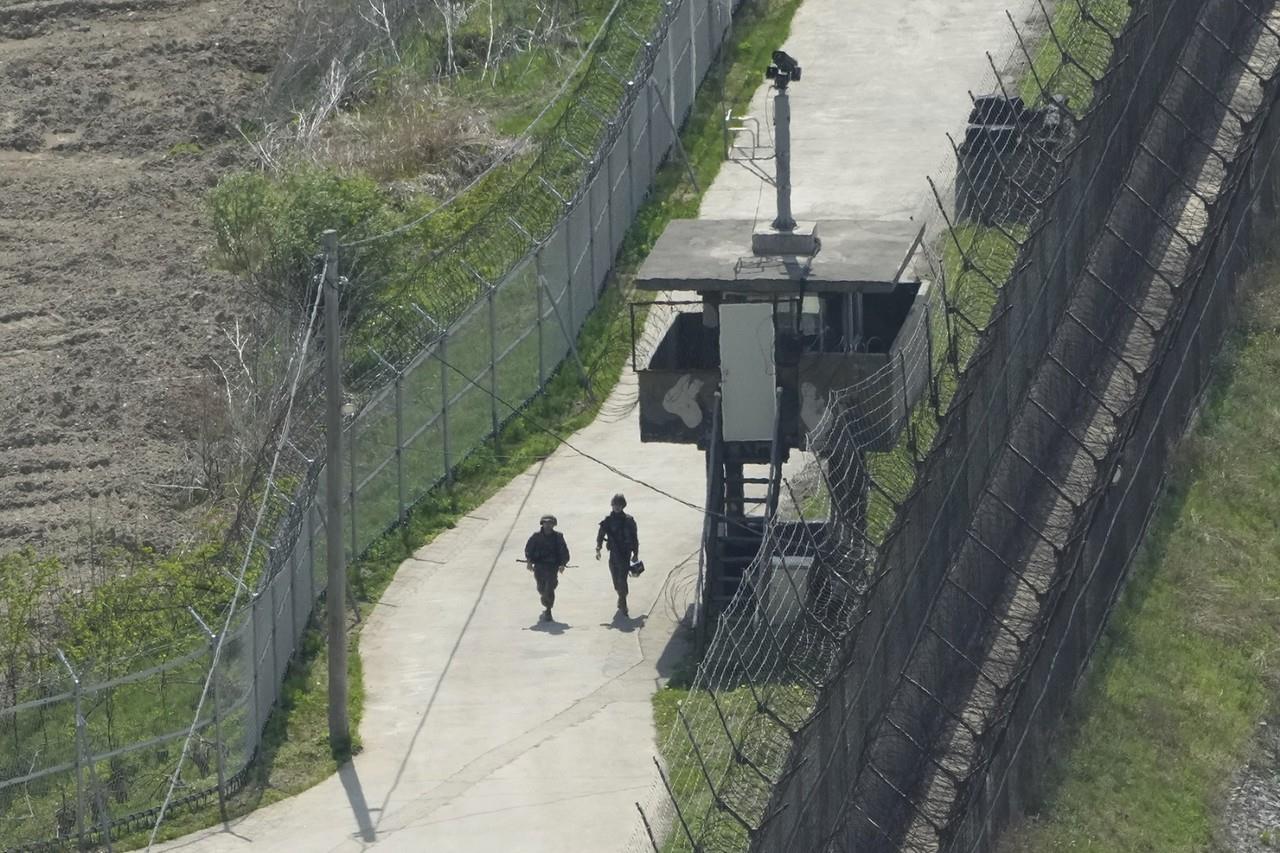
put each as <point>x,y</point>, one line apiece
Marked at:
<point>801,240</point>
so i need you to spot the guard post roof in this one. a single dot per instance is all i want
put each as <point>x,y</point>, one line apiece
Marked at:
<point>714,255</point>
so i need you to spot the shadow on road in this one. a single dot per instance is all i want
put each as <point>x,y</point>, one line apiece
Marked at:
<point>552,627</point>
<point>355,796</point>
<point>626,624</point>
<point>426,712</point>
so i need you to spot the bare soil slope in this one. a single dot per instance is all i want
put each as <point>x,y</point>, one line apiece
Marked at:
<point>115,117</point>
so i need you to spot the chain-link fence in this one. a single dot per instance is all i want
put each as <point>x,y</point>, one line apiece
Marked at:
<point>437,366</point>
<point>867,688</point>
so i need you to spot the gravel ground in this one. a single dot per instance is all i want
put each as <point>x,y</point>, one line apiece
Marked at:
<point>1251,820</point>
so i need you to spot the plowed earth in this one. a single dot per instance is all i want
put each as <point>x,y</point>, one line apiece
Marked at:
<point>115,118</point>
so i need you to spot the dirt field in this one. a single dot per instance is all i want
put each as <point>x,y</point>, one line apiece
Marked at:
<point>115,117</point>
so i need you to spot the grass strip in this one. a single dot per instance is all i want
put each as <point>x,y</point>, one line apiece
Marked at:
<point>1076,53</point>
<point>1184,671</point>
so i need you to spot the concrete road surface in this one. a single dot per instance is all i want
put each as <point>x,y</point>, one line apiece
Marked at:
<point>487,731</point>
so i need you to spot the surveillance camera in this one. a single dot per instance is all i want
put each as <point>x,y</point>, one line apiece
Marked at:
<point>786,64</point>
<point>783,70</point>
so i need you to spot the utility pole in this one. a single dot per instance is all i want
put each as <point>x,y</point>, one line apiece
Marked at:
<point>339,725</point>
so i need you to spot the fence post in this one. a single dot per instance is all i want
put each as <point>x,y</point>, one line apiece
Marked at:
<point>676,143</point>
<point>633,199</point>
<point>400,445</point>
<point>351,490</point>
<point>609,203</point>
<point>493,363</point>
<point>569,338</point>
<point>629,138</point>
<point>906,410</point>
<point>693,53</point>
<point>79,723</point>
<point>568,248</point>
<point>444,407</point>
<point>591,248</point>
<point>217,714</point>
<point>104,814</point>
<point>537,292</point>
<point>293,594</point>
<point>276,675</point>
<point>648,121</point>
<point>671,74</point>
<point>311,546</point>
<point>255,725</point>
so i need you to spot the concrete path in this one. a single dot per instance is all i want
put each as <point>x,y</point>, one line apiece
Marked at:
<point>485,731</point>
<point>883,81</point>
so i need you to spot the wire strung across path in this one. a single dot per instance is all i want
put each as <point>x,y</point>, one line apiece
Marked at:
<point>560,439</point>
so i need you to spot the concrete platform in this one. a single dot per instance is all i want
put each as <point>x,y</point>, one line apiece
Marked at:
<point>485,731</point>
<point>715,254</point>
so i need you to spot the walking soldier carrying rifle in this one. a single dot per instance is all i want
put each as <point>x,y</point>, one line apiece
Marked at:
<point>547,555</point>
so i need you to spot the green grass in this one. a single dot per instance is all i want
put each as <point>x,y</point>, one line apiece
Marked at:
<point>1066,66</point>
<point>759,738</point>
<point>1185,670</point>
<point>976,263</point>
<point>295,752</point>
<point>512,92</point>
<point>185,149</point>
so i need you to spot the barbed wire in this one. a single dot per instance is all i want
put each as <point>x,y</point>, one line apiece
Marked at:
<point>510,151</point>
<point>734,750</point>
<point>754,746</point>
<point>269,548</point>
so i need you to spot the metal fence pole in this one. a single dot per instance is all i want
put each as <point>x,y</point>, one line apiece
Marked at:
<point>693,53</point>
<point>104,813</point>
<point>444,407</point>
<point>311,547</point>
<point>591,247</point>
<point>293,594</point>
<point>79,723</point>
<point>493,363</point>
<point>400,486</point>
<point>351,491</point>
<point>537,293</point>
<point>568,249</point>
<point>255,724</point>
<point>217,714</point>
<point>275,639</point>
<point>671,74</point>
<point>608,203</point>
<point>569,338</point>
<point>633,202</point>
<point>675,136</point>
<point>648,123</point>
